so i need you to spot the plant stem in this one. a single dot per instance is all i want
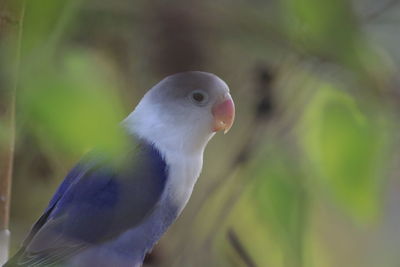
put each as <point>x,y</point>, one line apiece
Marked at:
<point>13,36</point>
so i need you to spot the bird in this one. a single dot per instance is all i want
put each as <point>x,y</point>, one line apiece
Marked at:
<point>106,214</point>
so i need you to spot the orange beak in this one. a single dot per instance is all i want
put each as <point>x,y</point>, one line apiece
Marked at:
<point>224,114</point>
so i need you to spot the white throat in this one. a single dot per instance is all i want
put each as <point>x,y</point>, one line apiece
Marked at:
<point>181,147</point>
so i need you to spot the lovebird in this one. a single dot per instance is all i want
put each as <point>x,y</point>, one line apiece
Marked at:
<point>106,214</point>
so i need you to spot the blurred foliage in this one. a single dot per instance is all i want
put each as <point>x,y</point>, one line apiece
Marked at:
<point>345,148</point>
<point>87,110</point>
<point>282,198</point>
<point>327,27</point>
<point>308,174</point>
<point>69,98</point>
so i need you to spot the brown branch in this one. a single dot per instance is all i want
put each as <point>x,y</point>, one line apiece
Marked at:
<point>239,248</point>
<point>385,7</point>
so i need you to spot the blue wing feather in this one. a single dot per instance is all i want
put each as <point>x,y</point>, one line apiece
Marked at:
<point>96,202</point>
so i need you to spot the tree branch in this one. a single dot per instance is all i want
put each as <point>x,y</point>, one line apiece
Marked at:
<point>239,248</point>
<point>385,7</point>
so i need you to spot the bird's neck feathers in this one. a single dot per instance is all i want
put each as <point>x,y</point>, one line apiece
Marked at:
<point>181,146</point>
<point>171,138</point>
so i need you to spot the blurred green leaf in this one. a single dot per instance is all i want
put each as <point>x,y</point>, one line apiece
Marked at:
<point>44,23</point>
<point>344,147</point>
<point>281,199</point>
<point>70,98</point>
<point>74,104</point>
<point>326,28</point>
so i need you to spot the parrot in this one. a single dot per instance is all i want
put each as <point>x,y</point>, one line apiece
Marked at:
<point>106,214</point>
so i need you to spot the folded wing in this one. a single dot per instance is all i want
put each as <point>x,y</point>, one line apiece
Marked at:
<point>97,202</point>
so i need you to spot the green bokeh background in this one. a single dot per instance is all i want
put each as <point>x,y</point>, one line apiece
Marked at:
<point>308,175</point>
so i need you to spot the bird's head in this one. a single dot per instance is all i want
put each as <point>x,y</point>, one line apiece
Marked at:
<point>183,111</point>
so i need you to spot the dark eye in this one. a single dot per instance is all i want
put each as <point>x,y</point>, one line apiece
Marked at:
<point>199,97</point>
